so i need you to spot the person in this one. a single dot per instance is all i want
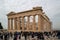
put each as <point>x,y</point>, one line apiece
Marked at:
<point>15,37</point>
<point>1,26</point>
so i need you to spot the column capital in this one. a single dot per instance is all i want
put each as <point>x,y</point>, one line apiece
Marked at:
<point>34,15</point>
<point>28,15</point>
<point>9,18</point>
<point>22,16</point>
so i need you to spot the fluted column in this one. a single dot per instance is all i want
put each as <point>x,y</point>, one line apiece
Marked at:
<point>23,23</point>
<point>28,23</point>
<point>15,25</point>
<point>11,23</point>
<point>18,23</point>
<point>39,23</point>
<point>50,25</point>
<point>8,23</point>
<point>42,24</point>
<point>33,23</point>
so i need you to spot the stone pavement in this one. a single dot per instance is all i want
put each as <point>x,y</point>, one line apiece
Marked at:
<point>28,37</point>
<point>23,38</point>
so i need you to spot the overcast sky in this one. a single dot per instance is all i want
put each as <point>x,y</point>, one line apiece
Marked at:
<point>50,7</point>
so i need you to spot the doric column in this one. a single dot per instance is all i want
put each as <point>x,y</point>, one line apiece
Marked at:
<point>8,23</point>
<point>39,23</point>
<point>11,23</point>
<point>15,25</point>
<point>42,23</point>
<point>33,23</point>
<point>50,25</point>
<point>22,23</point>
<point>28,23</point>
<point>18,23</point>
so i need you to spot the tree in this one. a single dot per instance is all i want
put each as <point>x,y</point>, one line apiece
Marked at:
<point>1,26</point>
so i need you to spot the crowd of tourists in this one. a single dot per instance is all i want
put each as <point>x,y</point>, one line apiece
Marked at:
<point>26,35</point>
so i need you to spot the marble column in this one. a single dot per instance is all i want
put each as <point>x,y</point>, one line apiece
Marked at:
<point>28,23</point>
<point>33,23</point>
<point>18,23</point>
<point>39,23</point>
<point>42,24</point>
<point>11,23</point>
<point>8,23</point>
<point>22,23</point>
<point>15,25</point>
<point>50,25</point>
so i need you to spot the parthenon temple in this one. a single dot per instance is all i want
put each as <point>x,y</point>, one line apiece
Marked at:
<point>34,20</point>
